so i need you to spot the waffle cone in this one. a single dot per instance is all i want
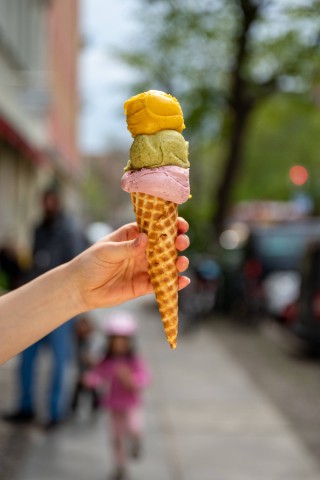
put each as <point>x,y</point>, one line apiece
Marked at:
<point>158,218</point>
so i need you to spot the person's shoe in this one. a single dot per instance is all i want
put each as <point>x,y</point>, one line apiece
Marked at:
<point>19,417</point>
<point>119,474</point>
<point>51,425</point>
<point>136,449</point>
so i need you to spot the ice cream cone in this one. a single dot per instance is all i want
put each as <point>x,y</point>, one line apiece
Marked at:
<point>158,219</point>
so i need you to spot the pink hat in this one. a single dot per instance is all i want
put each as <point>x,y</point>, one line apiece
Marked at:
<point>122,323</point>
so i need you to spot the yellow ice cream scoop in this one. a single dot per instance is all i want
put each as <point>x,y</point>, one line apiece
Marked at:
<point>167,147</point>
<point>152,111</point>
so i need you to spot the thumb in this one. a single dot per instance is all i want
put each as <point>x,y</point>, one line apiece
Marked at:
<point>131,248</point>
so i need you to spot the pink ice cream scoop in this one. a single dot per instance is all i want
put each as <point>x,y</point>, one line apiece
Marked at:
<point>169,183</point>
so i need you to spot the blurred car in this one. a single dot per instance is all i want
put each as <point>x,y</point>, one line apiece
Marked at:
<point>280,250</point>
<point>271,266</point>
<point>281,289</point>
<point>199,299</point>
<point>303,316</point>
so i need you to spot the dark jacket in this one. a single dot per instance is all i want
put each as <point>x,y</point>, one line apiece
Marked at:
<point>55,242</point>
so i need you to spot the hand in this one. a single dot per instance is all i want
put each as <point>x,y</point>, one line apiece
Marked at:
<point>125,376</point>
<point>115,269</point>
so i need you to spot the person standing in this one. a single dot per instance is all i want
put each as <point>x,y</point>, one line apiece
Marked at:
<point>56,241</point>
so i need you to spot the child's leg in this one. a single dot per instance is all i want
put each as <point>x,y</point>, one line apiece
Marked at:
<point>134,428</point>
<point>135,423</point>
<point>118,430</point>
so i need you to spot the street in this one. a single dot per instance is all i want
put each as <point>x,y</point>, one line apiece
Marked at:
<point>209,414</point>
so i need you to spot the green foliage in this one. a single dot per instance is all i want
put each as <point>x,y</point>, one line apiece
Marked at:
<point>188,48</point>
<point>192,49</point>
<point>284,131</point>
<point>95,195</point>
<point>185,49</point>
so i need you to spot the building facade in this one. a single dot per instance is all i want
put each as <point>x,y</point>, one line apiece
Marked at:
<point>38,107</point>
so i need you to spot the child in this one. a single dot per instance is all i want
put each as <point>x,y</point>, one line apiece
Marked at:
<point>122,375</point>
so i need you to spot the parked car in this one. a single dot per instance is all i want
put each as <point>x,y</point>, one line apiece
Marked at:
<point>271,266</point>
<point>280,290</point>
<point>282,281</point>
<point>199,299</point>
<point>303,316</point>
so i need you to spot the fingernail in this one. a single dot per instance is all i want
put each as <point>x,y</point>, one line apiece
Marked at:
<point>187,239</point>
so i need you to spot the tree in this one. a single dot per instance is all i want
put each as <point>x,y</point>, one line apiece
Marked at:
<point>284,131</point>
<point>222,58</point>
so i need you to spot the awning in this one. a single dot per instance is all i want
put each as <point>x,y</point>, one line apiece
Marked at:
<point>9,133</point>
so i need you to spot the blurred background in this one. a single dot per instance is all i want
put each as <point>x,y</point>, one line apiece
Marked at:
<point>239,397</point>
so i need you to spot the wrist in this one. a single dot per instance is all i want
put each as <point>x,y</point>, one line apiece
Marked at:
<point>74,287</point>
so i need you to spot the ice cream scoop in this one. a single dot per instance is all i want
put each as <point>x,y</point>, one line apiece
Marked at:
<point>152,111</point>
<point>170,183</point>
<point>166,147</point>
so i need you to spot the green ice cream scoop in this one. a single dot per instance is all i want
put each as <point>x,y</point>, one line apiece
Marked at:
<point>167,147</point>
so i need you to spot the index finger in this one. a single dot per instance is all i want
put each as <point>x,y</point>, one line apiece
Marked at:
<point>122,234</point>
<point>183,225</point>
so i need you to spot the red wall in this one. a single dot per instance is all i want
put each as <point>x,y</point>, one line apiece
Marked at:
<point>63,45</point>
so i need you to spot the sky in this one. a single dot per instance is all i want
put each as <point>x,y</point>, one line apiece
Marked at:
<point>103,79</point>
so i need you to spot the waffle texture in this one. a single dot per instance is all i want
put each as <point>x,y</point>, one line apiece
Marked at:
<point>158,218</point>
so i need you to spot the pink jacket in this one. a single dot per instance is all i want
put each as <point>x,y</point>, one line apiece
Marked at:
<point>115,395</point>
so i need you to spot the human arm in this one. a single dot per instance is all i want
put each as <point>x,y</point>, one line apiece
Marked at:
<point>97,376</point>
<point>110,272</point>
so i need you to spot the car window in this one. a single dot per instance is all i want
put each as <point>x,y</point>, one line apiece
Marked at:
<point>281,245</point>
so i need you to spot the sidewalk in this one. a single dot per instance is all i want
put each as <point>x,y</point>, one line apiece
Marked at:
<point>12,439</point>
<point>205,420</point>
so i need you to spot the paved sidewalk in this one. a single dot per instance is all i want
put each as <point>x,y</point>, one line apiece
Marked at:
<point>13,440</point>
<point>205,420</point>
